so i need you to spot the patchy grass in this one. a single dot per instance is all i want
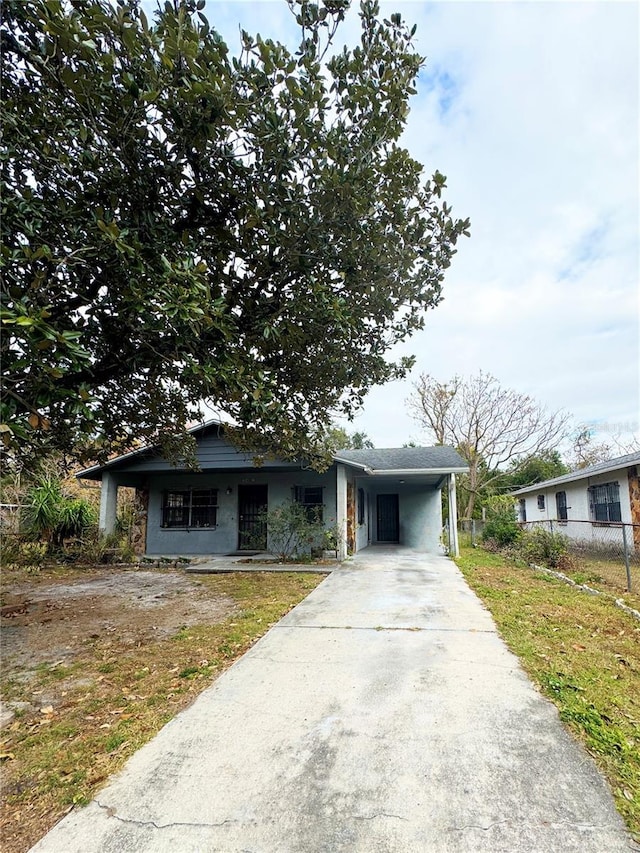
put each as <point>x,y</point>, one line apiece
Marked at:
<point>83,718</point>
<point>584,655</point>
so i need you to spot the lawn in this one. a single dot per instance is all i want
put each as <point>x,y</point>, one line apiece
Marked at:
<point>584,655</point>
<point>95,662</point>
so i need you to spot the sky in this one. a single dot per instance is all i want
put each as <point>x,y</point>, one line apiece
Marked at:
<point>531,110</point>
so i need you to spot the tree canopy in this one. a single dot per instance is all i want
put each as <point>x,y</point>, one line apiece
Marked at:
<point>185,223</point>
<point>491,427</point>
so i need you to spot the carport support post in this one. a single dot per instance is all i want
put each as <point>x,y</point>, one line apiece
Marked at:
<point>108,505</point>
<point>341,510</point>
<point>454,549</point>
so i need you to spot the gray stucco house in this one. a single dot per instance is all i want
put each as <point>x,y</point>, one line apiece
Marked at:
<point>371,496</point>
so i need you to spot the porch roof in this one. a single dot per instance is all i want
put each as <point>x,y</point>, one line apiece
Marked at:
<point>405,460</point>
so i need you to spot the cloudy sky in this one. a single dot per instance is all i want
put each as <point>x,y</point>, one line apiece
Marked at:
<point>531,110</point>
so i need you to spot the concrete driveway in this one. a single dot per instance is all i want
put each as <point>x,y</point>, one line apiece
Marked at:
<point>382,714</point>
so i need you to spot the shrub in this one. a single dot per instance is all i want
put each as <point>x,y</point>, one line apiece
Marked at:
<point>501,526</point>
<point>543,546</point>
<point>51,516</point>
<point>292,530</point>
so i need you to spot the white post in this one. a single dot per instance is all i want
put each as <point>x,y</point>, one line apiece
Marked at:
<point>341,510</point>
<point>454,549</point>
<point>108,504</point>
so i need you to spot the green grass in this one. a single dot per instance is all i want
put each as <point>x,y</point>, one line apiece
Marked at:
<point>584,655</point>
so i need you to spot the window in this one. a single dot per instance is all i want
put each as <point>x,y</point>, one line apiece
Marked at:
<point>523,510</point>
<point>190,508</point>
<point>561,506</point>
<point>540,501</point>
<point>311,499</point>
<point>604,503</point>
<point>361,506</point>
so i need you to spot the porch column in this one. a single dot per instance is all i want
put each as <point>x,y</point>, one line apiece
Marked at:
<point>341,510</point>
<point>108,504</point>
<point>454,549</point>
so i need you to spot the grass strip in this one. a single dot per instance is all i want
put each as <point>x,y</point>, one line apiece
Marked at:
<point>584,655</point>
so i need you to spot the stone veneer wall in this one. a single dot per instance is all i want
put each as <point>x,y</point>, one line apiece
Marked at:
<point>634,500</point>
<point>139,528</point>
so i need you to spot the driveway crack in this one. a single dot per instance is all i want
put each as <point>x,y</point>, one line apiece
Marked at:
<point>111,812</point>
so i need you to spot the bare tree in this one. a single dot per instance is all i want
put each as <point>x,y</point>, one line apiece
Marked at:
<point>490,426</point>
<point>587,451</point>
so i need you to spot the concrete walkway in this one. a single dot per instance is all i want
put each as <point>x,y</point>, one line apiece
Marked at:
<point>383,714</point>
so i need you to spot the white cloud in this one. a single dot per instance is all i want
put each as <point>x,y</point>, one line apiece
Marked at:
<point>531,109</point>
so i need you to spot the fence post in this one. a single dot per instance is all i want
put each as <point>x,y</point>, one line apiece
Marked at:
<point>550,525</point>
<point>627,566</point>
<point>473,531</point>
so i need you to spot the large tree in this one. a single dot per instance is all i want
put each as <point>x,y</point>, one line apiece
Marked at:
<point>492,427</point>
<point>183,224</point>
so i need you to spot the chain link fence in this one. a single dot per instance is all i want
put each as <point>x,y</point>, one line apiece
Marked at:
<point>604,552</point>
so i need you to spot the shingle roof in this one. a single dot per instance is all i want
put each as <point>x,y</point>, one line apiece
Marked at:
<point>583,473</point>
<point>405,458</point>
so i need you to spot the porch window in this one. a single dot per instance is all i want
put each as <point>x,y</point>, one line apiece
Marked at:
<point>361,506</point>
<point>190,508</point>
<point>310,497</point>
<point>561,506</point>
<point>540,501</point>
<point>604,503</point>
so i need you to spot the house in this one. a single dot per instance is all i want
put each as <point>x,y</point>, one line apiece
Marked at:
<point>369,496</point>
<point>585,501</point>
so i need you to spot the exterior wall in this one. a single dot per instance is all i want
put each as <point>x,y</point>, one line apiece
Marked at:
<point>362,530</point>
<point>578,506</point>
<point>421,519</point>
<point>223,539</point>
<point>633,475</point>
<point>141,513</point>
<point>420,511</point>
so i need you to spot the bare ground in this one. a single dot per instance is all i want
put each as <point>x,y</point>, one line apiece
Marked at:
<point>52,622</point>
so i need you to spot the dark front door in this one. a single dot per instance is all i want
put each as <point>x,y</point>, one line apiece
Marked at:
<point>388,518</point>
<point>252,530</point>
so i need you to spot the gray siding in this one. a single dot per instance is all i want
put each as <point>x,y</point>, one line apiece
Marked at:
<point>212,452</point>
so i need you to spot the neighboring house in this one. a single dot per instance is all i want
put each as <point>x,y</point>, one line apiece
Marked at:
<point>585,501</point>
<point>371,496</point>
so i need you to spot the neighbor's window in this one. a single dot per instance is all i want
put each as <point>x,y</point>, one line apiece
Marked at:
<point>540,501</point>
<point>190,508</point>
<point>523,510</point>
<point>604,502</point>
<point>311,499</point>
<point>360,506</point>
<point>561,506</point>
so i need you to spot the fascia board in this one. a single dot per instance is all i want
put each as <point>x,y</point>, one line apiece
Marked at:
<point>408,472</point>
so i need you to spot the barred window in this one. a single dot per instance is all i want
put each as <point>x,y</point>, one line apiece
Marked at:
<point>604,503</point>
<point>561,506</point>
<point>190,508</point>
<point>310,497</point>
<point>540,501</point>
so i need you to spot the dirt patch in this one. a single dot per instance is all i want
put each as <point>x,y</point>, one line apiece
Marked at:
<point>53,622</point>
<point>96,660</point>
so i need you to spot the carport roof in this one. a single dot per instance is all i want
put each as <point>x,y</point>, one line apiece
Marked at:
<point>440,459</point>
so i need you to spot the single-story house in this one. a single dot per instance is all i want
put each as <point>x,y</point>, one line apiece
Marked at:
<point>367,496</point>
<point>582,503</point>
